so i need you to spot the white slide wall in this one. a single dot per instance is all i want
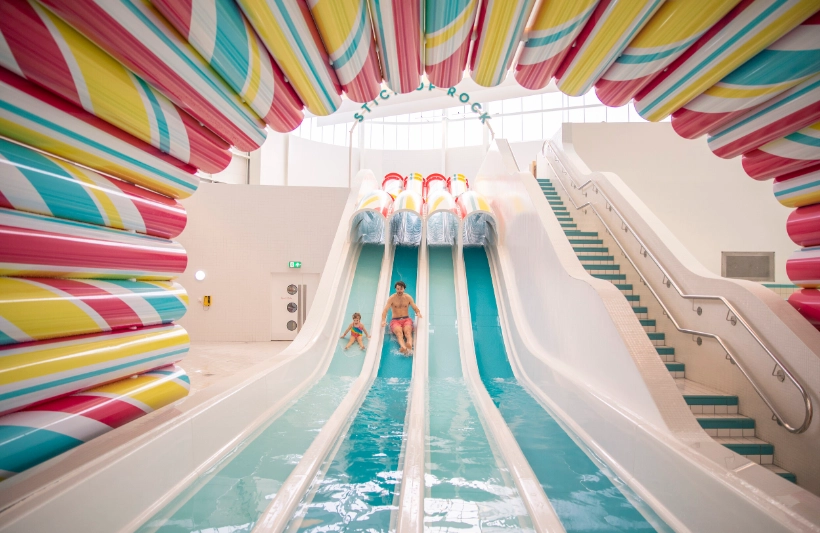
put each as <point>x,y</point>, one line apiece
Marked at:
<point>577,342</point>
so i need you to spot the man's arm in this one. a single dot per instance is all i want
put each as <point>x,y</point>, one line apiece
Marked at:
<point>415,308</point>
<point>384,313</point>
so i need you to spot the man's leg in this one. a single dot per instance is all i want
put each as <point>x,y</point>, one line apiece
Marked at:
<point>397,331</point>
<point>408,334</point>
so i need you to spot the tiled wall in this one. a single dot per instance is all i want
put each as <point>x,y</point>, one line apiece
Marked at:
<point>239,235</point>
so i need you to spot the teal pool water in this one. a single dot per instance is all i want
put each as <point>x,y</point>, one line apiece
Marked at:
<point>585,495</point>
<point>233,493</point>
<point>359,489</point>
<point>466,490</point>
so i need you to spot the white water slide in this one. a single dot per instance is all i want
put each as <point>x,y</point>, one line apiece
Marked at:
<point>534,402</point>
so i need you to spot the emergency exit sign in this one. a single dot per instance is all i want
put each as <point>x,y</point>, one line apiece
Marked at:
<point>294,264</point>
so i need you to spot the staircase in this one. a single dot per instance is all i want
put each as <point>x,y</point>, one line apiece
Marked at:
<point>716,412</point>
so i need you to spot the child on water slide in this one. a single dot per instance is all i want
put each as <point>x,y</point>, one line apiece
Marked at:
<point>356,329</point>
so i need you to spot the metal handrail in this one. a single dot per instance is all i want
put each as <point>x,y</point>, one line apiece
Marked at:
<point>808,408</point>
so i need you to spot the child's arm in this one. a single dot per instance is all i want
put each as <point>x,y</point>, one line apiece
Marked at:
<point>348,329</point>
<point>365,330</point>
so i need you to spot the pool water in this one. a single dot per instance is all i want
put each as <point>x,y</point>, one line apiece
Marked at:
<point>232,494</point>
<point>585,494</point>
<point>466,488</point>
<point>359,488</point>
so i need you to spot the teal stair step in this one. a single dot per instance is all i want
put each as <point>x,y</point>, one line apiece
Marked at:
<point>568,225</point>
<point>602,267</point>
<point>633,297</point>
<point>584,241</point>
<point>579,233</point>
<point>547,188</point>
<point>591,250</point>
<point>675,367</point>
<point>555,202</point>
<point>648,322</point>
<point>610,277</point>
<point>664,350</point>
<point>747,445</point>
<point>657,336</point>
<point>559,209</point>
<point>583,258</point>
<point>564,218</point>
<point>640,310</point>
<point>785,474</point>
<point>710,399</point>
<point>725,422</point>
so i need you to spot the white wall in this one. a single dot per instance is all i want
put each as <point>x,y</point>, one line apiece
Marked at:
<point>239,236</point>
<point>316,164</point>
<point>404,162</point>
<point>709,203</point>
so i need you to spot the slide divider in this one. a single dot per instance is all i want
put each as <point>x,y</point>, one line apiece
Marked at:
<point>411,506</point>
<point>283,506</point>
<point>538,506</point>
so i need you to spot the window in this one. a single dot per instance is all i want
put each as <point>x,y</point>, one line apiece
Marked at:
<point>455,133</point>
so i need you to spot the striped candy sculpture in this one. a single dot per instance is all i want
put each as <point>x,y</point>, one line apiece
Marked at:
<point>37,118</point>
<point>43,308</point>
<point>555,26</point>
<point>792,110</point>
<point>139,37</point>
<point>799,150</point>
<point>611,27</point>
<point>397,26</point>
<point>34,372</point>
<point>803,267</point>
<point>40,432</point>
<point>40,246</point>
<point>47,51</point>
<point>792,59</point>
<point>348,38</point>
<point>746,30</point>
<point>219,31</point>
<point>799,188</point>
<point>673,29</point>
<point>803,225</point>
<point>448,26</point>
<point>500,26</point>
<point>807,303</point>
<point>290,35</point>
<point>34,182</point>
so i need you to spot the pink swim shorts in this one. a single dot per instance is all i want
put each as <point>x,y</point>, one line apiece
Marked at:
<point>401,322</point>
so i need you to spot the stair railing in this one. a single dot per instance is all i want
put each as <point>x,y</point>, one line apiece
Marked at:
<point>780,370</point>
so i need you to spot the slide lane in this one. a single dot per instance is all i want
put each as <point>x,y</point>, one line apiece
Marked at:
<point>466,486</point>
<point>585,494</point>
<point>235,492</point>
<point>359,488</point>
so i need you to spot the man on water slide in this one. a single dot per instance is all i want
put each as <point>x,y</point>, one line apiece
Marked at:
<point>401,325</point>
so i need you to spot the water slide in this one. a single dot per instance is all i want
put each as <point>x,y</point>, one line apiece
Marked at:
<point>509,415</point>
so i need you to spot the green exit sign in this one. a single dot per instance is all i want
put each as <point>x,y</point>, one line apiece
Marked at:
<point>295,264</point>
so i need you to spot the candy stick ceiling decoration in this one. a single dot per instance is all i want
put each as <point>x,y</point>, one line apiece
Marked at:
<point>108,108</point>
<point>398,30</point>
<point>552,32</point>
<point>448,26</point>
<point>135,34</point>
<point>289,33</point>
<point>47,51</point>
<point>348,37</point>
<point>667,35</point>
<point>611,27</point>
<point>219,31</point>
<point>787,62</point>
